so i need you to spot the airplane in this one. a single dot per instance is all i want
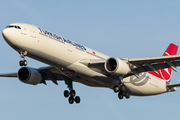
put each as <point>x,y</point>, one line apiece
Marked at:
<point>70,62</point>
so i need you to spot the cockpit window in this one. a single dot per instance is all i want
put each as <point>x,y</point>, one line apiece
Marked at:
<point>13,26</point>
<point>18,27</point>
<point>10,26</point>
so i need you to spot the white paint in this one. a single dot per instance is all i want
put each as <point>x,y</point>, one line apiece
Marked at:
<point>65,56</point>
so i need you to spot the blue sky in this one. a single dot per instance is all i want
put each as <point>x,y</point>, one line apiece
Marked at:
<point>119,28</point>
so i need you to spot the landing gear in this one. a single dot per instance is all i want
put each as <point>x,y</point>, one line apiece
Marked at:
<point>66,93</point>
<point>72,93</point>
<point>116,88</point>
<point>127,95</point>
<point>23,63</point>
<point>120,95</point>
<point>22,55</point>
<point>122,88</point>
<point>71,100</point>
<point>122,91</point>
<point>77,99</point>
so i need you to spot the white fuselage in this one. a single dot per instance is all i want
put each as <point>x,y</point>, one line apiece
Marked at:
<point>64,54</point>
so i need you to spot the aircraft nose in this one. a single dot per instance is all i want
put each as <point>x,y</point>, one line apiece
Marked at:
<point>9,36</point>
<point>5,33</point>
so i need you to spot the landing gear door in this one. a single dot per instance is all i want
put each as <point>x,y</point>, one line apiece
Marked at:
<point>32,32</point>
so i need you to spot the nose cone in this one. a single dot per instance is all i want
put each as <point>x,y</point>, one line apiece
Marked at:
<point>6,34</point>
<point>9,36</point>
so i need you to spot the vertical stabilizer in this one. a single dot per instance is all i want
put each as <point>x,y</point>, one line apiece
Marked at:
<point>166,74</point>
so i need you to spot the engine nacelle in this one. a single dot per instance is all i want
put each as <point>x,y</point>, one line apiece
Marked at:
<point>29,75</point>
<point>117,66</point>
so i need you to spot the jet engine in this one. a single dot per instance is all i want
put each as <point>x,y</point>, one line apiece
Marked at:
<point>117,66</point>
<point>29,76</point>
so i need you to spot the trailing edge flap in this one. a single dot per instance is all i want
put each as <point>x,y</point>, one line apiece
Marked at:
<point>146,64</point>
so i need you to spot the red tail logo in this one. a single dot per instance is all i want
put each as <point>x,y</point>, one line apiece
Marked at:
<point>166,74</point>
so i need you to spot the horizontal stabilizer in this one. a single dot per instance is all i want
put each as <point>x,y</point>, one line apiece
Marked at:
<point>173,85</point>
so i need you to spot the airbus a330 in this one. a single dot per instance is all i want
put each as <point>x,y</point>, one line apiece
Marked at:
<point>72,62</point>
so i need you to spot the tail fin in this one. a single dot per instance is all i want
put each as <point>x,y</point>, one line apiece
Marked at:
<point>166,74</point>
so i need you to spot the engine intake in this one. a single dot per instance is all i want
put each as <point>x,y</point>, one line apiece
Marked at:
<point>29,76</point>
<point>116,66</point>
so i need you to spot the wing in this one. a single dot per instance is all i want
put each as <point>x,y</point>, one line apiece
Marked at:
<point>48,73</point>
<point>153,59</point>
<point>140,65</point>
